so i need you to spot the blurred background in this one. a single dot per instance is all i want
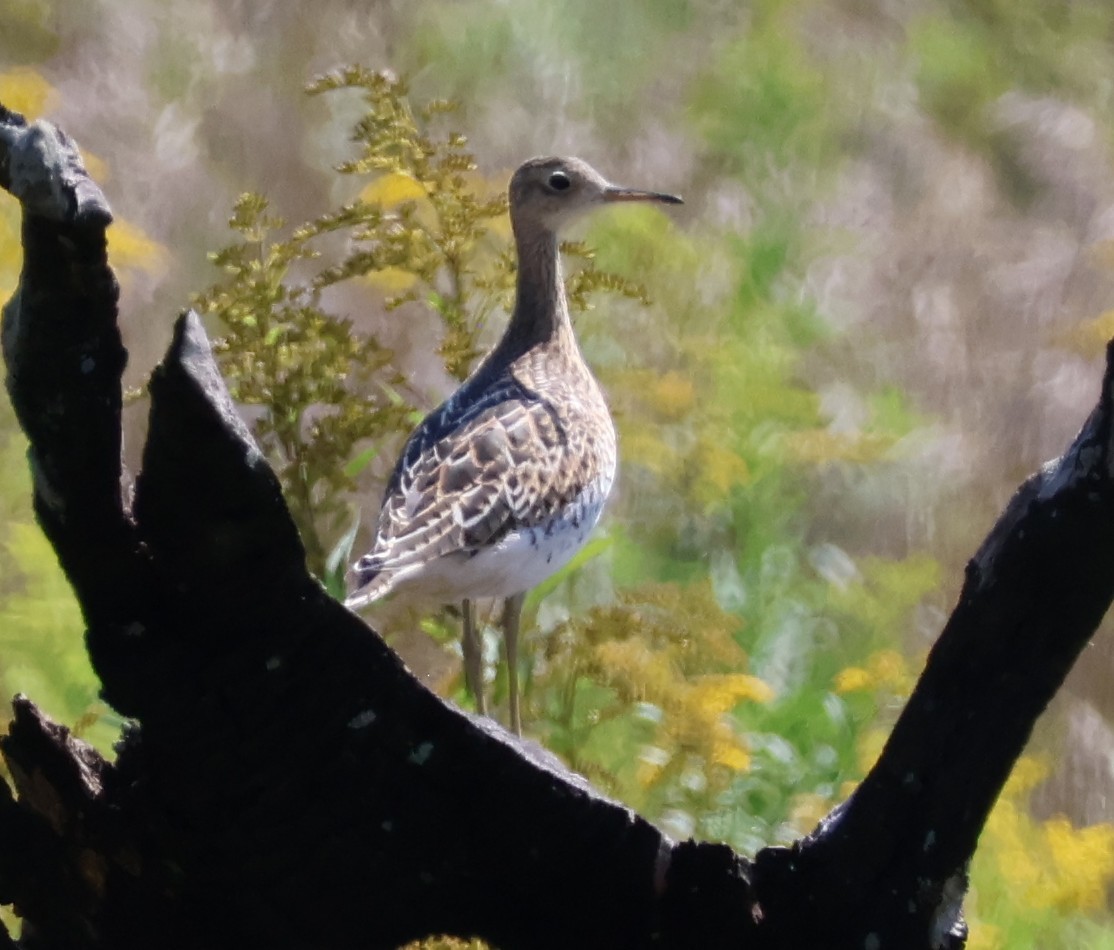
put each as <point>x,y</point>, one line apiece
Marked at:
<point>882,306</point>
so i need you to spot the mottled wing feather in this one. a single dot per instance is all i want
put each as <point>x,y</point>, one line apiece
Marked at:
<point>458,484</point>
<point>512,448</point>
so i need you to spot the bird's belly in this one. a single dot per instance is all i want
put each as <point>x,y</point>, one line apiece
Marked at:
<point>520,560</point>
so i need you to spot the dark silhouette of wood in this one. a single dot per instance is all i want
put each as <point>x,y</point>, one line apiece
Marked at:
<point>288,783</point>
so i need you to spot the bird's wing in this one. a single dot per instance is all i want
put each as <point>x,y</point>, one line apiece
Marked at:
<point>474,470</point>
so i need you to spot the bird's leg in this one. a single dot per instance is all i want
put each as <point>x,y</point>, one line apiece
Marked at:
<point>512,616</point>
<point>472,647</point>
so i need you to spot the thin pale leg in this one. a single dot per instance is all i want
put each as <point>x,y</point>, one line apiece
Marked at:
<point>512,617</point>
<point>472,647</point>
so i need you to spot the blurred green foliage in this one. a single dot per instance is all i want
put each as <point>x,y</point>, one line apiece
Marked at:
<point>27,36</point>
<point>968,55</point>
<point>766,82</point>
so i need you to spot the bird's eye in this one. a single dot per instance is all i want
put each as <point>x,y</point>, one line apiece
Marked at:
<point>559,181</point>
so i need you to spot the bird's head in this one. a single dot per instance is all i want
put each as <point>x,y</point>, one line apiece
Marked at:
<point>548,193</point>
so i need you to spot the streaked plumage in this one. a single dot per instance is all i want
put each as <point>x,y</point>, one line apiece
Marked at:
<point>501,484</point>
<point>520,452</point>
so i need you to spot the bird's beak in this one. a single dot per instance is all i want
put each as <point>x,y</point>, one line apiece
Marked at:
<point>633,194</point>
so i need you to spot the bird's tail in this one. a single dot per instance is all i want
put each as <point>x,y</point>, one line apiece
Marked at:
<point>358,600</point>
<point>371,584</point>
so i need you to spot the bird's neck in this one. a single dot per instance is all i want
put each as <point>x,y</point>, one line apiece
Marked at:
<point>541,312</point>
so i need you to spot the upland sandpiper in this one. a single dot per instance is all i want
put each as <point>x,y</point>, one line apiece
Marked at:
<point>500,485</point>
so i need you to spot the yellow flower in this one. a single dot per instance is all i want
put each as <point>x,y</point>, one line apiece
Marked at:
<point>96,166</point>
<point>822,446</point>
<point>890,670</point>
<point>985,937</point>
<point>1082,863</point>
<point>1010,827</point>
<point>885,669</point>
<point>851,679</point>
<point>1088,337</point>
<point>870,747</point>
<point>25,91</point>
<point>720,693</point>
<point>807,810</point>
<point>720,469</point>
<point>130,247</point>
<point>391,281</point>
<point>1047,864</point>
<point>1028,772</point>
<point>730,754</point>
<point>393,189</point>
<point>673,396</point>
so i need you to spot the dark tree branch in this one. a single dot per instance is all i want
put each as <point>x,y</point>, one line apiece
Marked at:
<point>290,784</point>
<point>1034,594</point>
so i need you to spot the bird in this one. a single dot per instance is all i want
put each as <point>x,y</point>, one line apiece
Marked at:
<point>499,486</point>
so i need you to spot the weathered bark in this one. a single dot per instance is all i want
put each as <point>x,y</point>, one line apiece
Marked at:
<point>289,784</point>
